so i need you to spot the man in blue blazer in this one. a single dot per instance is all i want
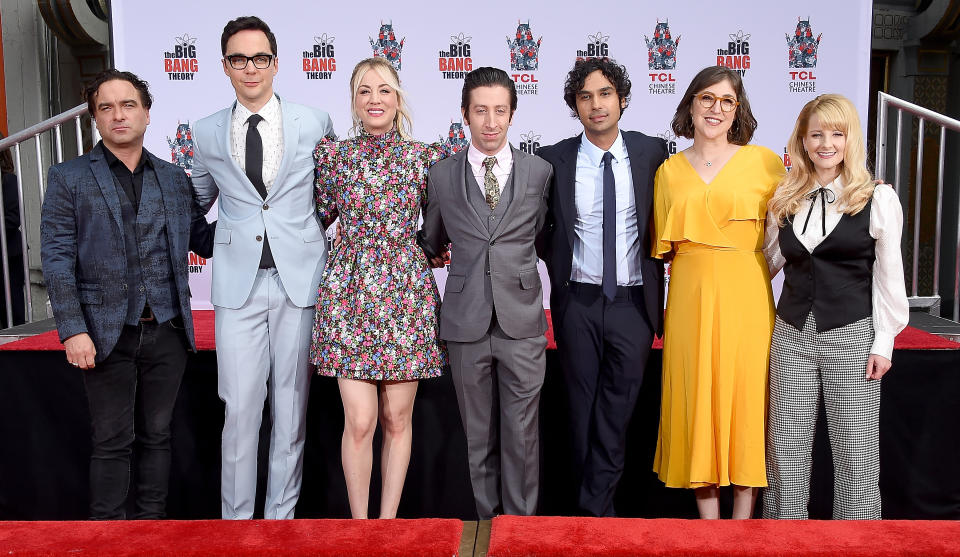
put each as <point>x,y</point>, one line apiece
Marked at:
<point>606,296</point>
<point>257,155</point>
<point>115,230</point>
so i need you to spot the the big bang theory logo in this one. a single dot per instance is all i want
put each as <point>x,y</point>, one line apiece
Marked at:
<point>662,59</point>
<point>181,64</point>
<point>524,58</point>
<point>597,47</point>
<point>195,263</point>
<point>737,54</point>
<point>455,62</point>
<point>387,46</point>
<point>670,139</point>
<point>530,142</point>
<point>320,61</point>
<point>802,57</point>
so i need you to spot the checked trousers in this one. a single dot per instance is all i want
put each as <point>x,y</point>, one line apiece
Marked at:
<point>805,365</point>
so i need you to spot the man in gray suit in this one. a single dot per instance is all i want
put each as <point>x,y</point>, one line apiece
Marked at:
<point>490,202</point>
<point>270,250</point>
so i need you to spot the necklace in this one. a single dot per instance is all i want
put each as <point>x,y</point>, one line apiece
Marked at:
<point>707,163</point>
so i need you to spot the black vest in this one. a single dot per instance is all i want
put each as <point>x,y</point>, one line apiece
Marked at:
<point>149,269</point>
<point>835,281</point>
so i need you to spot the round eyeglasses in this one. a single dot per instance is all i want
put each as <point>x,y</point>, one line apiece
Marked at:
<point>727,104</point>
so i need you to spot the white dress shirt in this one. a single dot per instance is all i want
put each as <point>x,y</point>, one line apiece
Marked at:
<point>588,226</point>
<point>271,134</point>
<point>501,169</point>
<point>891,311</point>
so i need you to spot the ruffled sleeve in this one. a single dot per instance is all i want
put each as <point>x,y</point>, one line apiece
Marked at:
<point>661,208</point>
<point>325,178</point>
<point>891,310</point>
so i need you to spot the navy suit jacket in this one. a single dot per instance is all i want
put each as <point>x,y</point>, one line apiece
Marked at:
<point>556,243</point>
<point>82,246</point>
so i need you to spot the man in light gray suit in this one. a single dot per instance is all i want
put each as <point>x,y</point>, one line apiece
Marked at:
<point>490,202</point>
<point>269,254</point>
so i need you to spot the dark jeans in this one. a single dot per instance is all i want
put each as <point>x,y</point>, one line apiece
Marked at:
<point>131,395</point>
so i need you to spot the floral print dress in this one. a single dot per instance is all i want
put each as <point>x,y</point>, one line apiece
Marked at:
<point>378,305</point>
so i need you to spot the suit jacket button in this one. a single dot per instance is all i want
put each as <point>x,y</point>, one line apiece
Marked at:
<point>142,288</point>
<point>488,272</point>
<point>566,283</point>
<point>265,206</point>
<point>259,238</point>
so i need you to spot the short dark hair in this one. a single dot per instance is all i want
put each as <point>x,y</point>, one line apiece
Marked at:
<point>615,73</point>
<point>245,23</point>
<point>488,77</point>
<point>90,90</point>
<point>741,132</point>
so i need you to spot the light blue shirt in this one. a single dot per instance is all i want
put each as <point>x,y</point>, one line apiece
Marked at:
<point>588,226</point>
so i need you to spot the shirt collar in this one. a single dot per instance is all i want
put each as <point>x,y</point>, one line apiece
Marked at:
<point>114,162</point>
<point>270,111</point>
<point>504,156</point>
<point>836,186</point>
<point>595,154</point>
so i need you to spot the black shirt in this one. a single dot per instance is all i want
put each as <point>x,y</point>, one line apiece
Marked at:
<point>131,182</point>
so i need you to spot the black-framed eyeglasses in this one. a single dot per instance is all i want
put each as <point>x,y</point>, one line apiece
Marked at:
<point>260,61</point>
<point>727,104</point>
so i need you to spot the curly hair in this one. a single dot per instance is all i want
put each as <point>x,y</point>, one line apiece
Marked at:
<point>615,73</point>
<point>91,88</point>
<point>741,132</point>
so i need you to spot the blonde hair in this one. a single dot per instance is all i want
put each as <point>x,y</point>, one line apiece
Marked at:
<point>402,121</point>
<point>835,112</point>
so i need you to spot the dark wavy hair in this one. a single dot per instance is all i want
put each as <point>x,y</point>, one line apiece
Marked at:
<point>487,77</point>
<point>615,73</point>
<point>741,132</point>
<point>91,88</point>
<point>244,23</point>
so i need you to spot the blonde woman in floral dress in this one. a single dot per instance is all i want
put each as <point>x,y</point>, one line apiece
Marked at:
<point>376,325</point>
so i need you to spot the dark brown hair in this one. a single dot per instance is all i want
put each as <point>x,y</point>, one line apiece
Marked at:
<point>487,77</point>
<point>744,124</point>
<point>90,91</point>
<point>615,73</point>
<point>246,23</point>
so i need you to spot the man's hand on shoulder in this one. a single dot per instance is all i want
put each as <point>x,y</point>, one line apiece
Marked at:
<point>80,351</point>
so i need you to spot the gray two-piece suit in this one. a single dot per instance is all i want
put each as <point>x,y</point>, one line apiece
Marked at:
<point>264,316</point>
<point>492,319</point>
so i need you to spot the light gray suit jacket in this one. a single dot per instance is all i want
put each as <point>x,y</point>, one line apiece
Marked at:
<point>288,216</point>
<point>515,291</point>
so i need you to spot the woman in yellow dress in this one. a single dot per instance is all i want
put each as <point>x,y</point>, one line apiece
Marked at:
<point>709,210</point>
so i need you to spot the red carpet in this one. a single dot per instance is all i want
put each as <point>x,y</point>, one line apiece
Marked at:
<point>440,537</point>
<point>614,537</point>
<point>909,339</point>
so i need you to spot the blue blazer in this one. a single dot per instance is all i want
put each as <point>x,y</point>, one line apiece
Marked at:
<point>556,243</point>
<point>288,216</point>
<point>82,248</point>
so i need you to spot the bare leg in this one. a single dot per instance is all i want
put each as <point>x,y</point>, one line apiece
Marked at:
<point>744,499</point>
<point>708,502</point>
<point>356,448</point>
<point>396,415</point>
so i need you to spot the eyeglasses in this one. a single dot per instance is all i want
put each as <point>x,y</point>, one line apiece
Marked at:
<point>260,61</point>
<point>727,104</point>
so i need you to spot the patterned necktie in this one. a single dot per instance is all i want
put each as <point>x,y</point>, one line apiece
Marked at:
<point>490,185</point>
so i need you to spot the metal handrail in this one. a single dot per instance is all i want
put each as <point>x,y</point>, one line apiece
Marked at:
<point>884,101</point>
<point>13,142</point>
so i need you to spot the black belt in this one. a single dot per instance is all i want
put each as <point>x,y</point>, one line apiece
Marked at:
<point>623,292</point>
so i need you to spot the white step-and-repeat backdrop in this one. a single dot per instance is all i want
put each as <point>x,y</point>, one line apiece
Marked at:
<point>787,53</point>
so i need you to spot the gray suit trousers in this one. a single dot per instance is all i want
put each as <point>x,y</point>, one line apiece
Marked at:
<point>498,381</point>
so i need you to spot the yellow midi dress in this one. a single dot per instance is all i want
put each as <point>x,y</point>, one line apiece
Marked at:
<point>718,322</point>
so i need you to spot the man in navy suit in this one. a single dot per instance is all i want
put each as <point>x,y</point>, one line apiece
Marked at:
<point>606,296</point>
<point>115,231</point>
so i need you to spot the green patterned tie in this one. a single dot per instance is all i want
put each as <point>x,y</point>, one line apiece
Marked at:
<point>490,185</point>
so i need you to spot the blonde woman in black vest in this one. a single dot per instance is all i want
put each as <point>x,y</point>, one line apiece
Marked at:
<point>843,302</point>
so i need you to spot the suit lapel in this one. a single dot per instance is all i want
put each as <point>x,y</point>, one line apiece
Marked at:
<point>291,139</point>
<point>643,197</point>
<point>460,177</point>
<point>165,184</point>
<point>223,139</point>
<point>520,173</point>
<point>566,184</point>
<point>104,177</point>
